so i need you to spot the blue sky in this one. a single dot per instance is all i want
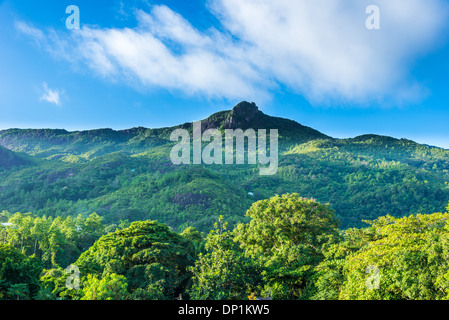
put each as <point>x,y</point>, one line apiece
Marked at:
<point>161,63</point>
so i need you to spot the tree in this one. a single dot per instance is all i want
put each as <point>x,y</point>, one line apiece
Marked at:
<point>148,254</point>
<point>19,274</point>
<point>406,258</point>
<point>196,240</point>
<point>285,236</point>
<point>19,290</point>
<point>90,230</point>
<point>224,272</point>
<point>110,287</point>
<point>330,277</point>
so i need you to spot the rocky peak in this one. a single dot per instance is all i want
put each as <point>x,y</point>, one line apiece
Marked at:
<point>242,114</point>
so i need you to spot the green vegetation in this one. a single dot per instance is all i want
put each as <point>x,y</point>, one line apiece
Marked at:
<point>19,274</point>
<point>408,254</point>
<point>55,242</point>
<point>224,272</point>
<point>290,249</point>
<point>342,218</point>
<point>151,259</point>
<point>285,237</point>
<point>128,175</point>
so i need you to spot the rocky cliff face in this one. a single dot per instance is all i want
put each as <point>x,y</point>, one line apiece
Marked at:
<point>242,115</point>
<point>247,115</point>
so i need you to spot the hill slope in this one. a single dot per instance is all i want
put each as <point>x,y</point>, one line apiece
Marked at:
<point>9,159</point>
<point>128,174</point>
<point>57,144</point>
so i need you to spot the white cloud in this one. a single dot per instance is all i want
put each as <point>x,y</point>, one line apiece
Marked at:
<point>319,48</point>
<point>50,95</point>
<point>166,51</point>
<point>29,30</point>
<point>322,48</point>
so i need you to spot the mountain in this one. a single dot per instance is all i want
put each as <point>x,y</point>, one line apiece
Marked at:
<point>247,115</point>
<point>57,143</point>
<point>127,174</point>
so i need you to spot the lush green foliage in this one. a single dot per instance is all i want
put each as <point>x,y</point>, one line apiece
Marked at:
<point>285,236</point>
<point>55,242</point>
<point>19,274</point>
<point>110,287</point>
<point>128,175</point>
<point>273,255</point>
<point>95,197</point>
<point>290,249</point>
<point>147,258</point>
<point>224,272</point>
<point>402,258</point>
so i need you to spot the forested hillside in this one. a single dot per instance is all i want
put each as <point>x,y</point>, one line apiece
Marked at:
<point>128,175</point>
<point>291,248</point>
<point>10,159</point>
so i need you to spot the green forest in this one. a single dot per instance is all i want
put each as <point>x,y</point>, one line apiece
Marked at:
<point>105,215</point>
<point>291,248</point>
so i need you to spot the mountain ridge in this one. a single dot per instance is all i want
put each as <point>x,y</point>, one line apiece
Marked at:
<point>244,115</point>
<point>128,174</point>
